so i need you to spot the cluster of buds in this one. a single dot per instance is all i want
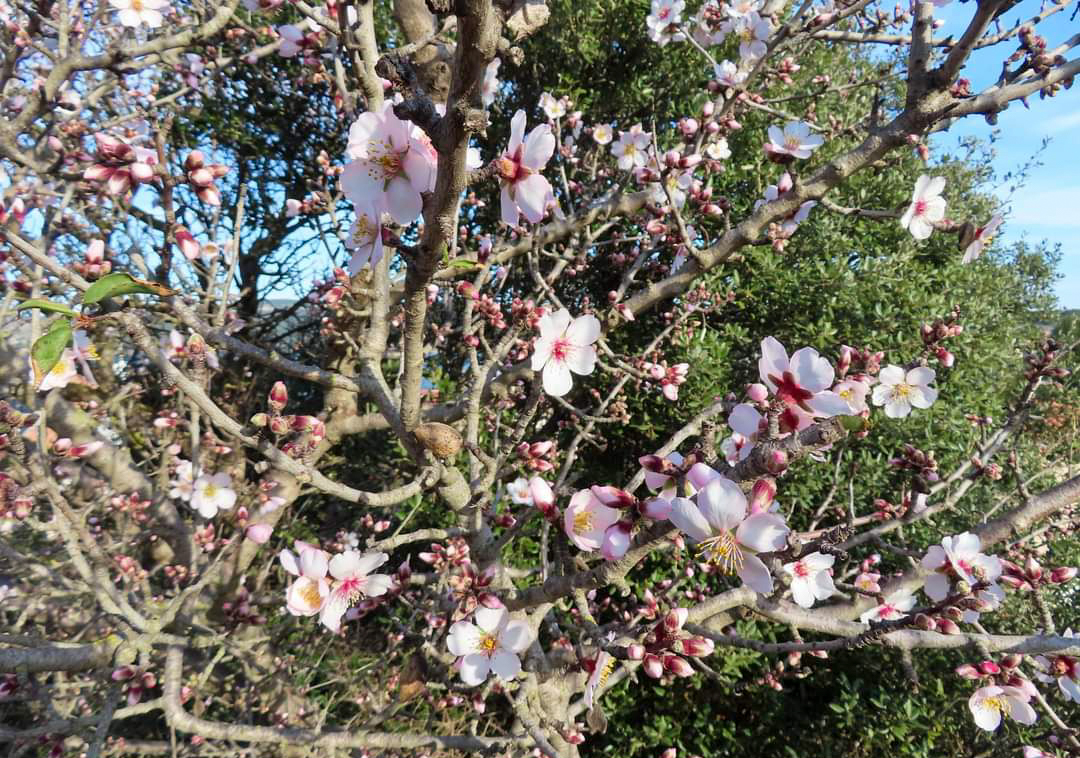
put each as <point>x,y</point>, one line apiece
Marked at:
<point>201,177</point>
<point>1031,575</point>
<point>863,361</point>
<point>65,448</point>
<point>485,306</point>
<point>93,264</point>
<point>538,456</point>
<point>1002,673</point>
<point>240,610</point>
<point>310,204</point>
<point>177,574</point>
<point>1040,362</point>
<point>134,505</point>
<point>130,570</point>
<point>670,378</point>
<point>470,589</point>
<point>924,466</point>
<point>989,470</point>
<point>442,557</point>
<point>119,164</point>
<point>939,331</point>
<point>282,425</point>
<point>136,682</point>
<point>663,648</point>
<point>1033,47</point>
<point>16,211</point>
<point>13,504</point>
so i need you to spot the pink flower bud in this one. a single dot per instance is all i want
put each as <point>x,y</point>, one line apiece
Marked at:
<point>678,666</point>
<point>1062,574</point>
<point>946,358</point>
<point>776,462</point>
<point>142,172</point>
<point>635,652</point>
<point>616,541</point>
<point>657,509</point>
<point>968,671</point>
<point>669,753</point>
<point>947,626</point>
<point>653,666</point>
<point>201,177</point>
<point>194,160</point>
<point>62,445</point>
<point>613,497</point>
<point>688,126</point>
<point>1033,569</point>
<point>88,448</point>
<point>989,668</point>
<point>674,620</point>
<point>259,533</point>
<point>279,397</point>
<point>186,242</point>
<point>698,647</point>
<point>924,622</point>
<point>757,392</point>
<point>762,494</point>
<point>280,425</point>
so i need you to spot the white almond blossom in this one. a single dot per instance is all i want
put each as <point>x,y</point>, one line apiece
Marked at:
<point>810,578</point>
<point>565,346</point>
<point>900,391</point>
<point>490,642</point>
<point>213,493</point>
<point>927,207</point>
<point>988,703</point>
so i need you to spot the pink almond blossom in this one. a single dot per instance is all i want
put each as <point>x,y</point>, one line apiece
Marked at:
<point>794,140</point>
<point>391,164</point>
<point>354,581</point>
<point>810,578</point>
<point>983,237</point>
<point>135,13</point>
<point>525,191</point>
<point>586,520</point>
<point>308,594</point>
<point>987,704</point>
<point>900,391</point>
<point>727,535</point>
<point>895,607</point>
<point>802,383</point>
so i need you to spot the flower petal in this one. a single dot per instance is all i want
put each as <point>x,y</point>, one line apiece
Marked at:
<point>690,521</point>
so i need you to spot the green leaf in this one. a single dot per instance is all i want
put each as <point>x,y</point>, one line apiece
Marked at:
<point>119,283</point>
<point>48,306</point>
<point>853,423</point>
<point>46,352</point>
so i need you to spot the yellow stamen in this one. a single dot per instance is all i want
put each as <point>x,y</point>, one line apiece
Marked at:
<point>722,551</point>
<point>309,593</point>
<point>583,522</point>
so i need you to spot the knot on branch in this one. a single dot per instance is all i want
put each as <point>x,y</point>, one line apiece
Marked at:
<point>417,105</point>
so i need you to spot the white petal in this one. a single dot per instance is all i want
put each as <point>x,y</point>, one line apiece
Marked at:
<point>506,665</point>
<point>801,593</point>
<point>763,532</point>
<point>475,668</point>
<point>557,380</point>
<point>689,520</point>
<point>722,503</point>
<point>756,576</point>
<point>516,637</point>
<point>584,330</point>
<point>936,587</point>
<point>344,565</point>
<point>811,370</point>
<point>376,585</point>
<point>581,360</point>
<point>463,638</point>
<point>490,620</point>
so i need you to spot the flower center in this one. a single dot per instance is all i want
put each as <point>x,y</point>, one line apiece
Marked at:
<point>137,6</point>
<point>995,702</point>
<point>801,570</point>
<point>487,645</point>
<point>210,490</point>
<point>605,672</point>
<point>561,349</point>
<point>788,389</point>
<point>901,391</point>
<point>722,550</point>
<point>920,207</point>
<point>386,162</point>
<point>791,143</point>
<point>310,594</point>
<point>583,522</point>
<point>351,588</point>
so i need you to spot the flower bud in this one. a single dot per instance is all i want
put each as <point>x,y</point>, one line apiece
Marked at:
<point>945,358</point>
<point>201,178</point>
<point>653,666</point>
<point>989,668</point>
<point>947,626</point>
<point>924,622</point>
<point>776,462</point>
<point>762,494</point>
<point>678,666</point>
<point>757,392</point>
<point>954,613</point>
<point>635,652</point>
<point>698,647</point>
<point>674,620</point>
<point>1033,569</point>
<point>194,160</point>
<point>280,425</point>
<point>259,533</point>
<point>1062,574</point>
<point>616,540</point>
<point>187,243</point>
<point>279,397</point>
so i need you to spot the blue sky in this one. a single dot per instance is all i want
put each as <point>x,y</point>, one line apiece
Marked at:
<point>1048,206</point>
